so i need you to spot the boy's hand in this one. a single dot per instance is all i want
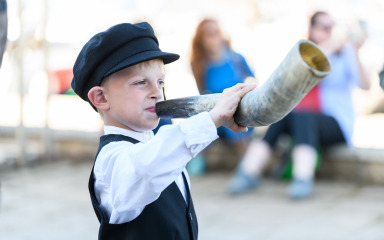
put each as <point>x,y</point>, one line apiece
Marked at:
<point>222,113</point>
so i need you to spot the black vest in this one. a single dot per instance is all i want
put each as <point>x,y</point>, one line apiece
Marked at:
<point>166,218</point>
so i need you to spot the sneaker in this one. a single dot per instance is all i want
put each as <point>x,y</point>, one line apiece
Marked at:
<point>300,189</point>
<point>242,182</point>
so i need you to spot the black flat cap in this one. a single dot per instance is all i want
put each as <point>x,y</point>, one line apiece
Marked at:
<point>118,47</point>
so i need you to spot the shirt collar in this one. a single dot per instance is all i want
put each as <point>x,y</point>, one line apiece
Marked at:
<point>142,137</point>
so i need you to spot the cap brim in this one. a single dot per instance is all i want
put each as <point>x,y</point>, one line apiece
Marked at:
<point>142,57</point>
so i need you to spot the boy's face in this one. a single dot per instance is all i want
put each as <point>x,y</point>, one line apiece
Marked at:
<point>132,94</point>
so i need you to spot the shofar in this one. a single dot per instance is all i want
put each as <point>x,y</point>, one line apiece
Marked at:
<point>304,67</point>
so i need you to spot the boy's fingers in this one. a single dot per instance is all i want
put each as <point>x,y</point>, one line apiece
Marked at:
<point>245,89</point>
<point>241,88</point>
<point>249,87</point>
<point>236,87</point>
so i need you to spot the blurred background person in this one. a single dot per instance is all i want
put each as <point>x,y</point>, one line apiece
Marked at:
<point>3,28</point>
<point>216,66</point>
<point>325,117</point>
<point>3,36</point>
<point>381,77</point>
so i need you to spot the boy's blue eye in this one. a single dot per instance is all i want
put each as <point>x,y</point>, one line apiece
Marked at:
<point>140,82</point>
<point>161,83</point>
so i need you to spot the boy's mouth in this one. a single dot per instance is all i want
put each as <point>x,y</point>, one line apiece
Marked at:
<point>151,109</point>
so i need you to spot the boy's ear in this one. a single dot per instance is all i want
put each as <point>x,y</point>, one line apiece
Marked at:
<point>97,98</point>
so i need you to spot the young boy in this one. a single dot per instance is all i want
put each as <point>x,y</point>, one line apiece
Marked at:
<point>139,186</point>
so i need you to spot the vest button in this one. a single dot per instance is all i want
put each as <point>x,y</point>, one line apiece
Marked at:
<point>190,216</point>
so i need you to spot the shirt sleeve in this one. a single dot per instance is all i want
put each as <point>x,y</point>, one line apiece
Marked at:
<point>247,67</point>
<point>132,176</point>
<point>352,66</point>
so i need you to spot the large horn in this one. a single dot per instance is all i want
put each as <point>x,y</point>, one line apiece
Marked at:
<point>304,67</point>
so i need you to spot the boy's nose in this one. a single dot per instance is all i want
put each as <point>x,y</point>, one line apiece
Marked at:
<point>157,92</point>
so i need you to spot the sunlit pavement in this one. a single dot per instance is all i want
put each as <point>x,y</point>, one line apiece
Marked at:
<point>51,201</point>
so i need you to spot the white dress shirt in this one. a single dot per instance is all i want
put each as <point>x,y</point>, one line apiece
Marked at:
<point>130,176</point>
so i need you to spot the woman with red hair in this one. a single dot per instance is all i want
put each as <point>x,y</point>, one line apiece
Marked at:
<point>216,67</point>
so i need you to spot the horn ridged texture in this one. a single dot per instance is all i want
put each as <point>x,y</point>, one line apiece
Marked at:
<point>304,67</point>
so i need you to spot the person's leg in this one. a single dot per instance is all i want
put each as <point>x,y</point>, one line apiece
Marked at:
<point>255,159</point>
<point>304,159</point>
<point>260,151</point>
<point>305,131</point>
<point>329,131</point>
<point>310,130</point>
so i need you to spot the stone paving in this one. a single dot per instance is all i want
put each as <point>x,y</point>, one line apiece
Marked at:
<point>51,201</point>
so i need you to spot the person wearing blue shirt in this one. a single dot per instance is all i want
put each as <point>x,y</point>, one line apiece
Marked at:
<point>3,28</point>
<point>330,123</point>
<point>216,66</point>
<point>226,71</point>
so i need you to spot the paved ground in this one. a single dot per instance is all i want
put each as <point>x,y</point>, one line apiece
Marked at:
<point>51,202</point>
